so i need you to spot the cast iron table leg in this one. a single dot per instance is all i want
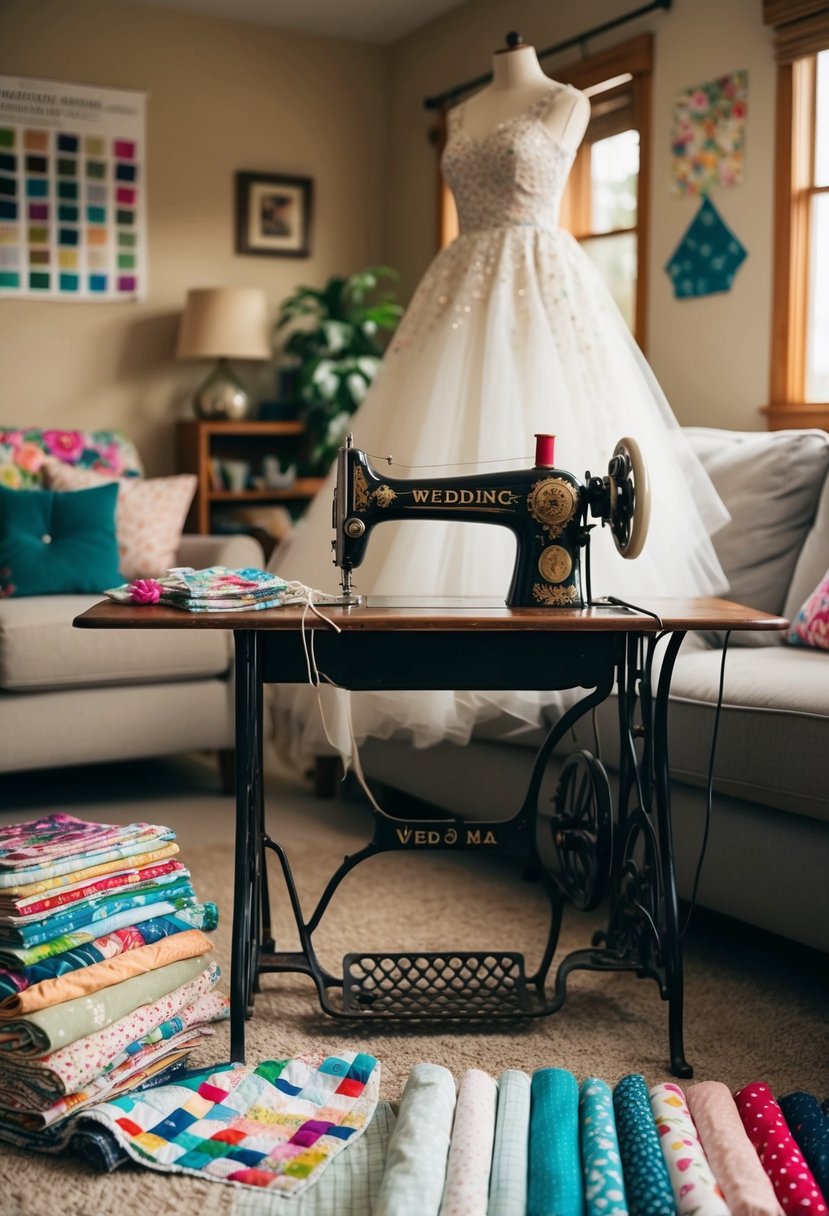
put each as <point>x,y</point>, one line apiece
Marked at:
<point>672,944</point>
<point>248,855</point>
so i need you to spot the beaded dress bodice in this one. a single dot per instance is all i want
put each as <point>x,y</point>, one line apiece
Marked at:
<point>513,176</point>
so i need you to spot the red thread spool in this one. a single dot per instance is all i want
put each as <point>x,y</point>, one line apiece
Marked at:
<point>545,451</point>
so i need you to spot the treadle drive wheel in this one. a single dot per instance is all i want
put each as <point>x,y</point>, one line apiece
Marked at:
<point>582,831</point>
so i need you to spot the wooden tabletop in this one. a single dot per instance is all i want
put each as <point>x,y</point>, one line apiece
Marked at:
<point>446,615</point>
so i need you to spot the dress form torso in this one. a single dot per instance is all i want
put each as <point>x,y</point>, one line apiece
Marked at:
<point>518,82</point>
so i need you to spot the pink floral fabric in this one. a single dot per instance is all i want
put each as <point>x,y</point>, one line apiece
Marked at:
<point>696,1190</point>
<point>811,625</point>
<point>793,1181</point>
<point>24,451</point>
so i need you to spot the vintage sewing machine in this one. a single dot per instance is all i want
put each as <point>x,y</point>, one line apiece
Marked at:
<point>547,508</point>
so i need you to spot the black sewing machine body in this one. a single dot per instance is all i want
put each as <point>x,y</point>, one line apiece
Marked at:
<point>545,507</point>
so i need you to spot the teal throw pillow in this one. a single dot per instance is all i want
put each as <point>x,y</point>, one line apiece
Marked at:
<point>56,542</point>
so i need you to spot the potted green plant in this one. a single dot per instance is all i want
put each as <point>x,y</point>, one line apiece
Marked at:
<point>336,338</point>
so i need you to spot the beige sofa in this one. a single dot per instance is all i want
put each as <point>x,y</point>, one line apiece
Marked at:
<point>767,860</point>
<point>75,696</point>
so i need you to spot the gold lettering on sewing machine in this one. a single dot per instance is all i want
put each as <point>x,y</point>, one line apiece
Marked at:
<point>360,489</point>
<point>464,498</point>
<point>553,502</point>
<point>555,564</point>
<point>429,836</point>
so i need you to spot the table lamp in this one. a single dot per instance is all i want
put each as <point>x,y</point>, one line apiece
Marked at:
<point>223,323</point>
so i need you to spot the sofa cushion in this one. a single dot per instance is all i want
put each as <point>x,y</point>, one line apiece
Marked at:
<point>53,543</point>
<point>149,514</point>
<point>771,483</point>
<point>774,729</point>
<point>24,449</point>
<point>39,649</point>
<point>813,561</point>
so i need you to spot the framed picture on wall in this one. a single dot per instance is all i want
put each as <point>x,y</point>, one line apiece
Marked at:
<point>273,215</point>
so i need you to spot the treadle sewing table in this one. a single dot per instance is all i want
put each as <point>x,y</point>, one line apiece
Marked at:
<point>623,854</point>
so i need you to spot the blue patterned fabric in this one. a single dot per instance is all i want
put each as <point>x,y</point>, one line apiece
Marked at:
<point>810,1128</point>
<point>508,1177</point>
<point>647,1184</point>
<point>604,1187</point>
<point>554,1179</point>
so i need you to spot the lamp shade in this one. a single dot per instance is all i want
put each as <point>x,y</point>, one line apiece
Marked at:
<point>224,323</point>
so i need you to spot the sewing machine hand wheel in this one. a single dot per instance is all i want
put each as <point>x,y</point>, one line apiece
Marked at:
<point>582,830</point>
<point>630,497</point>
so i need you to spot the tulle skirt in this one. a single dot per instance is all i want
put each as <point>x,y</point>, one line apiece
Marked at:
<point>511,331</point>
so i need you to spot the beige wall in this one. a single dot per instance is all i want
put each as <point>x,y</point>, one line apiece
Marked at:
<point>711,355</point>
<point>223,96</point>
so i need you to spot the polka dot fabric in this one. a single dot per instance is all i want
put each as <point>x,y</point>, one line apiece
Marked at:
<point>647,1184</point>
<point>554,1182</point>
<point>810,1128</point>
<point>604,1184</point>
<point>149,514</point>
<point>470,1151</point>
<point>794,1183</point>
<point>732,1156</point>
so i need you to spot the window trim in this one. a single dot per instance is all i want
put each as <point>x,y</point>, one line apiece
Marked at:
<point>795,130</point>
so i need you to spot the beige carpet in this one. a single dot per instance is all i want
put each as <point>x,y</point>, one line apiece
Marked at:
<point>754,1008</point>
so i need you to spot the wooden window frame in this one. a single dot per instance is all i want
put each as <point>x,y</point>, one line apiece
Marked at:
<point>801,33</point>
<point>635,58</point>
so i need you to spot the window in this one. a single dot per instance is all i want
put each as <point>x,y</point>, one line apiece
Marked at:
<point>799,379</point>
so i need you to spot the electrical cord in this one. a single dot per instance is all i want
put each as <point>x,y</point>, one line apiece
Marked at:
<point>709,792</point>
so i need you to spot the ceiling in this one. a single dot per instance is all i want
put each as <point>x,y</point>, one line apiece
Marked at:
<point>359,20</point>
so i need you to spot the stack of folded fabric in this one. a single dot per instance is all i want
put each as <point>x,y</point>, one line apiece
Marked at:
<point>215,589</point>
<point>106,981</point>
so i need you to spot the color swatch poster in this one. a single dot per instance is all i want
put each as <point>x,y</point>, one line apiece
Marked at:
<point>72,192</point>
<point>708,135</point>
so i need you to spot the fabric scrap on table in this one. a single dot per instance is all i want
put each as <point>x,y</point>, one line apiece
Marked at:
<point>92,911</point>
<point>696,1190</point>
<point>508,1177</point>
<point>57,1026</point>
<point>647,1184</point>
<point>604,1184</point>
<point>119,941</point>
<point>25,956</point>
<point>794,1183</point>
<point>214,589</point>
<point>554,1182</point>
<point>470,1148</point>
<point>37,1084</point>
<point>731,1155</point>
<point>60,844</point>
<point>416,1158</point>
<point>276,1126</point>
<point>810,1128</point>
<point>87,980</point>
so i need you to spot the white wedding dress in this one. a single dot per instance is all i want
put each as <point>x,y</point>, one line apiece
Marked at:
<point>511,331</point>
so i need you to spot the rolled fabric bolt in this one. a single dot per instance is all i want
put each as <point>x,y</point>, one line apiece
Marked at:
<point>554,1180</point>
<point>604,1185</point>
<point>794,1183</point>
<point>647,1184</point>
<point>508,1178</point>
<point>733,1158</point>
<point>696,1190</point>
<point>415,1171</point>
<point>470,1150</point>
<point>810,1128</point>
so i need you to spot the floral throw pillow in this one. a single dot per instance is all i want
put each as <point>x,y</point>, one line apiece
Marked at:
<point>23,452</point>
<point>811,625</point>
<point>149,514</point>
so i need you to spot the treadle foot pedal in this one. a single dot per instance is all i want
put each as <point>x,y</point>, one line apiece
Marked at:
<point>479,984</point>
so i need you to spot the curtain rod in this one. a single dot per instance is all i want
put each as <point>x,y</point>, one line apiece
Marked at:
<point>434,103</point>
